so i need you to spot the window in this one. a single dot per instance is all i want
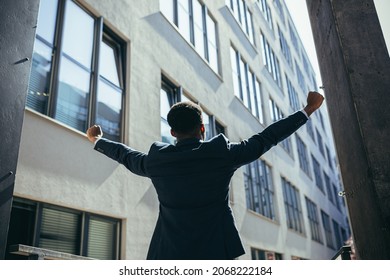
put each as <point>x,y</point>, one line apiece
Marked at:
<point>305,63</point>
<point>258,254</point>
<point>259,188</point>
<point>196,25</point>
<point>293,37</point>
<point>309,128</point>
<point>271,61</point>
<point>336,197</point>
<point>292,204</point>
<point>292,95</point>
<point>77,74</point>
<point>321,119</point>
<point>302,154</point>
<point>212,127</point>
<point>329,188</point>
<point>266,12</point>
<point>280,9</point>
<point>276,114</point>
<point>171,94</point>
<point>243,16</point>
<point>300,77</point>
<point>337,234</point>
<point>64,230</point>
<point>246,85</point>
<point>285,48</point>
<point>313,221</point>
<point>329,157</point>
<point>320,144</point>
<point>328,230</point>
<point>317,174</point>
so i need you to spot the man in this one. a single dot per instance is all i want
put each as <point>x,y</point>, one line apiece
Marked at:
<point>192,180</point>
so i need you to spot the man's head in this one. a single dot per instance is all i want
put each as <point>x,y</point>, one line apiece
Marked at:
<point>185,120</point>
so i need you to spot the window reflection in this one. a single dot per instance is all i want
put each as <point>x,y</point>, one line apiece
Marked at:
<point>79,99</point>
<point>108,64</point>
<point>73,94</point>
<point>38,92</point>
<point>78,34</point>
<point>109,99</point>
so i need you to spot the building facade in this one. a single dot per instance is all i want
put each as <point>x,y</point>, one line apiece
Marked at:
<point>122,64</point>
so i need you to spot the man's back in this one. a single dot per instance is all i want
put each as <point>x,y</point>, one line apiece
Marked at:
<point>192,182</point>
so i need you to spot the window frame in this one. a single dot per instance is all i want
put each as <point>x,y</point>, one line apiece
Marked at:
<point>83,228</point>
<point>101,33</point>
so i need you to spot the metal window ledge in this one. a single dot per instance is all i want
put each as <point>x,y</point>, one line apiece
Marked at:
<point>35,253</point>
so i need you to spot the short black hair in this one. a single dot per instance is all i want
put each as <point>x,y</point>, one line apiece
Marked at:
<point>185,117</point>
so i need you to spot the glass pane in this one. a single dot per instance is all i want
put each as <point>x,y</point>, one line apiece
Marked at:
<point>38,88</point>
<point>73,95</point>
<point>108,67</point>
<point>109,108</point>
<point>60,231</point>
<point>78,34</point>
<point>236,83</point>
<point>252,92</point>
<point>166,7</point>
<point>166,136</point>
<point>102,239</point>
<point>165,106</point>
<point>207,126</point>
<point>47,20</point>
<point>184,19</point>
<point>198,28</point>
<point>244,81</point>
<point>212,44</point>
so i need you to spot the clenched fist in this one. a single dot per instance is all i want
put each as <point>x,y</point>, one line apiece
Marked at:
<point>314,101</point>
<point>94,133</point>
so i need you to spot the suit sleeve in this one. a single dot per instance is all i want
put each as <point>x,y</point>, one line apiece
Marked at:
<point>251,149</point>
<point>133,160</point>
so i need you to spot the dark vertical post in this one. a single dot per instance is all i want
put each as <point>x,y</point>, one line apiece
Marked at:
<point>355,69</point>
<point>18,20</point>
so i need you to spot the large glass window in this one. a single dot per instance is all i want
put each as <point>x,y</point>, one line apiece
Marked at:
<point>77,70</point>
<point>327,229</point>
<point>317,174</point>
<point>320,143</point>
<point>314,221</point>
<point>196,25</point>
<point>292,95</point>
<point>259,188</point>
<point>264,7</point>
<point>303,157</point>
<point>292,205</point>
<point>285,48</point>
<point>243,16</point>
<point>329,189</point>
<point>277,114</point>
<point>258,254</point>
<point>170,94</point>
<point>271,61</point>
<point>63,230</point>
<point>246,85</point>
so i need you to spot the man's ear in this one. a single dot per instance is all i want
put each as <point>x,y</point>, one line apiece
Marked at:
<point>173,133</point>
<point>202,129</point>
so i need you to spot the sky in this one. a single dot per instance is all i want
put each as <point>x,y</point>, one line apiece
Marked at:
<point>298,11</point>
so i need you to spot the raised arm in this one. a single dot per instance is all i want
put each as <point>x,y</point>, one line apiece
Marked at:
<point>130,158</point>
<point>252,148</point>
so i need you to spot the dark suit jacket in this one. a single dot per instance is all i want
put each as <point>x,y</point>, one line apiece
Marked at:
<point>192,182</point>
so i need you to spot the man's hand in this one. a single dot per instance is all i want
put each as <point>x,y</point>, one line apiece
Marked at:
<point>314,101</point>
<point>94,133</point>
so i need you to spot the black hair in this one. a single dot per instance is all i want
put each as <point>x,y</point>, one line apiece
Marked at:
<point>185,117</point>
